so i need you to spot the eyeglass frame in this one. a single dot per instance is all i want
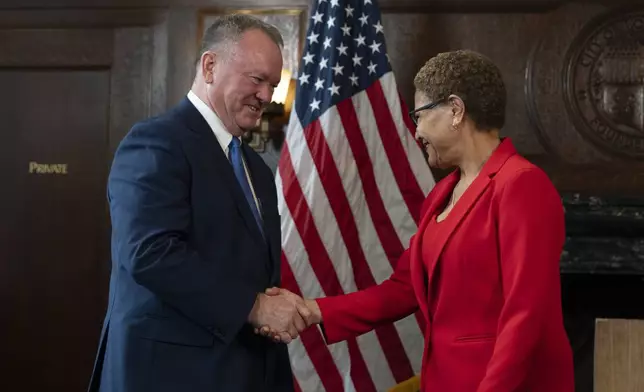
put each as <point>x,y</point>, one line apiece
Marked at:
<point>431,105</point>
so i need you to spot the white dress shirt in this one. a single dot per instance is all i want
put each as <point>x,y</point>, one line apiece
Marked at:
<point>223,136</point>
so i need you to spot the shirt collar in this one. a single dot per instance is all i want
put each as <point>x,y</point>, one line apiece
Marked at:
<point>223,136</point>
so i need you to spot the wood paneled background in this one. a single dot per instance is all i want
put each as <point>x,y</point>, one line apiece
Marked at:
<point>507,31</point>
<point>140,56</point>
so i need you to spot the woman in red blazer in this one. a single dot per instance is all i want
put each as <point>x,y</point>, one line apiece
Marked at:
<point>484,265</point>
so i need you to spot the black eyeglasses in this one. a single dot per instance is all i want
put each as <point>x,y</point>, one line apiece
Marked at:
<point>414,116</point>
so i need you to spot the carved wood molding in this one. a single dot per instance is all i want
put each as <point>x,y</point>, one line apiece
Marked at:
<point>56,48</point>
<point>78,18</point>
<point>601,178</point>
<point>463,6</point>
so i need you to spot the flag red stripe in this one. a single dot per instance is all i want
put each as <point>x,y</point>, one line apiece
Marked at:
<point>332,182</point>
<point>318,257</point>
<point>404,109</point>
<point>359,372</point>
<point>412,129</point>
<point>406,119</point>
<point>381,220</point>
<point>313,341</point>
<point>303,219</point>
<point>404,175</point>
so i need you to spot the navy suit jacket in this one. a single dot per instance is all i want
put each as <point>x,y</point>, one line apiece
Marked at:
<point>188,260</point>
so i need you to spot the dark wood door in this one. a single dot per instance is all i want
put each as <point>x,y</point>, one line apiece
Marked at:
<point>55,225</point>
<point>67,97</point>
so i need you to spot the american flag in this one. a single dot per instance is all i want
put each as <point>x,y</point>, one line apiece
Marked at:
<point>351,181</point>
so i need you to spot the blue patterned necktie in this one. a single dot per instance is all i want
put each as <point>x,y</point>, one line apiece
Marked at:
<point>235,156</point>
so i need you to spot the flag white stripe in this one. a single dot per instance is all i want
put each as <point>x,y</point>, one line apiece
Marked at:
<point>414,155</point>
<point>352,183</point>
<point>344,161</point>
<point>395,205</point>
<point>310,287</point>
<point>327,226</point>
<point>307,281</point>
<point>387,185</point>
<point>412,340</point>
<point>376,361</point>
<point>303,369</point>
<point>318,203</point>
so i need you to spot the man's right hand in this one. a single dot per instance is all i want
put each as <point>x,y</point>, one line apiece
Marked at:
<point>280,314</point>
<point>307,308</point>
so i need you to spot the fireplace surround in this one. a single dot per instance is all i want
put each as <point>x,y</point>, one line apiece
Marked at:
<point>602,270</point>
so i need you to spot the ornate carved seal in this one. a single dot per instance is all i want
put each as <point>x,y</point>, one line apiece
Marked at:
<point>604,82</point>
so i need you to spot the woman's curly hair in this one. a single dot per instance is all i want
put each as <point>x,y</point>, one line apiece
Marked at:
<point>471,76</point>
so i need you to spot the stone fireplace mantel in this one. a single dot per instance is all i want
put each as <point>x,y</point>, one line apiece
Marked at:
<point>604,235</point>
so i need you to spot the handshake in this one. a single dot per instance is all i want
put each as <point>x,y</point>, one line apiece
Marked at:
<point>281,315</point>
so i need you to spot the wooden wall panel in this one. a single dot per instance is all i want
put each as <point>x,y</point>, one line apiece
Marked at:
<point>74,83</point>
<point>413,38</point>
<point>619,355</point>
<point>409,5</point>
<point>533,51</point>
<point>55,47</point>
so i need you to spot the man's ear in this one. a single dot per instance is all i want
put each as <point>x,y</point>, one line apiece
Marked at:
<point>208,62</point>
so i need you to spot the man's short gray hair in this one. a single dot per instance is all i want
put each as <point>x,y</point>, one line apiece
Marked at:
<point>228,29</point>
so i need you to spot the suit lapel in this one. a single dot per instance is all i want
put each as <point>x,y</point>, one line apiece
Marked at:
<point>252,164</point>
<point>417,266</point>
<point>447,227</point>
<point>262,188</point>
<point>198,124</point>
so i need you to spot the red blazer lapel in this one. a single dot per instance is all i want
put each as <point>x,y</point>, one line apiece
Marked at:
<point>417,267</point>
<point>459,211</point>
<point>421,278</point>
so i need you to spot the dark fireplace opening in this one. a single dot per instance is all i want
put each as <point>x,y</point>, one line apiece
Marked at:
<point>602,271</point>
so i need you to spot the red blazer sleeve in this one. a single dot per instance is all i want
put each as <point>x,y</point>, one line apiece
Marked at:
<point>531,236</point>
<point>349,315</point>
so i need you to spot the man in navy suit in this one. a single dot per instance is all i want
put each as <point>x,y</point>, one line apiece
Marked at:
<point>196,235</point>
